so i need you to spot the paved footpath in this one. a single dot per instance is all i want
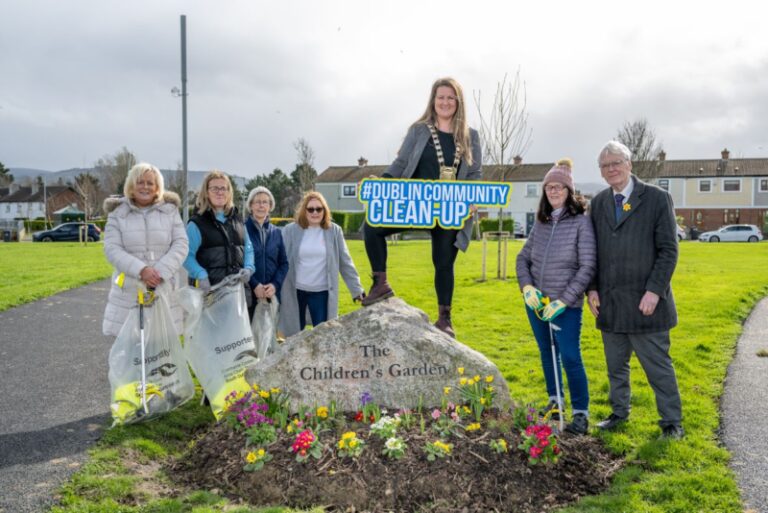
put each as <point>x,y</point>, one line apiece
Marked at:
<point>54,393</point>
<point>744,413</point>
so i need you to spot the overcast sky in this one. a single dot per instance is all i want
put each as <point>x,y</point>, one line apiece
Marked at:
<point>81,79</point>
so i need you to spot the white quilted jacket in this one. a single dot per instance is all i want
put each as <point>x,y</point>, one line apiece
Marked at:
<point>135,238</point>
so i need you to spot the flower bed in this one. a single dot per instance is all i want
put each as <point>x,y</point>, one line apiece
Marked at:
<point>468,456</point>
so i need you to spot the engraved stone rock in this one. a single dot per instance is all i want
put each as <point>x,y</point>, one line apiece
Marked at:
<point>389,350</point>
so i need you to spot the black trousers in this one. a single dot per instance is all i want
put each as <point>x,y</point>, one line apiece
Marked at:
<point>443,255</point>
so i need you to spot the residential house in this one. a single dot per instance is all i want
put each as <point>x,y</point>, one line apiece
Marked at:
<point>711,193</point>
<point>339,186</point>
<point>30,202</point>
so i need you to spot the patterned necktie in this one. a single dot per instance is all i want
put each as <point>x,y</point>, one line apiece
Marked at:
<point>619,200</point>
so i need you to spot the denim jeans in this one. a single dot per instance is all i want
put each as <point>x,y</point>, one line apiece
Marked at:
<point>318,306</point>
<point>568,351</point>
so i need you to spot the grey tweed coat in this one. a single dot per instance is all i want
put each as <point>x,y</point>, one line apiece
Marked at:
<point>634,255</point>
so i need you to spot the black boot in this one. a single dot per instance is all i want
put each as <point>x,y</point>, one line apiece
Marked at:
<point>380,290</point>
<point>444,320</point>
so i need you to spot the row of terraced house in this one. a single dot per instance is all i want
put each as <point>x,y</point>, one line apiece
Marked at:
<point>707,193</point>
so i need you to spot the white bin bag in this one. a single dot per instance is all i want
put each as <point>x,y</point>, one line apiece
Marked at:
<point>264,326</point>
<point>164,373</point>
<point>218,341</point>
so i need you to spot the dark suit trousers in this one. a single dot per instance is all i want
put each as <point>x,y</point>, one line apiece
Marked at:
<point>652,349</point>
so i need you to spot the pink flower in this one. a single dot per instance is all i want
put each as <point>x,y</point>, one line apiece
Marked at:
<point>535,452</point>
<point>543,443</point>
<point>436,414</point>
<point>529,431</point>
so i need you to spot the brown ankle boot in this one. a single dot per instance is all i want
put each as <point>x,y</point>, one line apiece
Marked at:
<point>444,320</point>
<point>379,290</point>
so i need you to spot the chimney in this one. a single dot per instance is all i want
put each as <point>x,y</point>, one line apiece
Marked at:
<point>13,188</point>
<point>725,154</point>
<point>362,162</point>
<point>35,187</point>
<point>662,156</point>
<point>518,160</point>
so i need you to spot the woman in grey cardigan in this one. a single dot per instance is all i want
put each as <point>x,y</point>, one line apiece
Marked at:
<point>557,262</point>
<point>317,253</point>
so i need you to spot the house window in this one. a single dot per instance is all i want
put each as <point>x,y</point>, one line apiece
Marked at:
<point>664,184</point>
<point>8,208</point>
<point>531,190</point>
<point>731,185</point>
<point>764,185</point>
<point>705,185</point>
<point>348,191</point>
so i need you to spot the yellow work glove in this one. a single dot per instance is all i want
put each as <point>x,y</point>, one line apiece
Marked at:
<point>552,310</point>
<point>532,297</point>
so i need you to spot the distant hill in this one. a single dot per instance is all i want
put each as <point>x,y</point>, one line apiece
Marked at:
<point>194,178</point>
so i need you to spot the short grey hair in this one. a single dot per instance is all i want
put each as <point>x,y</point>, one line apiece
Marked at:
<point>261,190</point>
<point>614,148</point>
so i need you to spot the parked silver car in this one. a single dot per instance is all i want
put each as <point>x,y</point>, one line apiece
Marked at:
<point>733,233</point>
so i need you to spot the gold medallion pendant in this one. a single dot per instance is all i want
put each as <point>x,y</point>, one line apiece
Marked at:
<point>447,173</point>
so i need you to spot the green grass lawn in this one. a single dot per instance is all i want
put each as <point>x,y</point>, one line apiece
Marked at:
<point>716,285</point>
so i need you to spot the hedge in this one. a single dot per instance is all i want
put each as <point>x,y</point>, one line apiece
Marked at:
<point>350,222</point>
<point>492,225</point>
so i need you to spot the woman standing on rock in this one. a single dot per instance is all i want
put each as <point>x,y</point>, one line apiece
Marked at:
<point>557,262</point>
<point>438,146</point>
<point>317,253</point>
<point>144,240</point>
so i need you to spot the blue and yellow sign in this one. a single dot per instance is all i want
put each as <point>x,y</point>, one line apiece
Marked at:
<point>426,203</point>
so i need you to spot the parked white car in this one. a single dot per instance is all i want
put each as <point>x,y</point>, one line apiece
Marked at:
<point>733,233</point>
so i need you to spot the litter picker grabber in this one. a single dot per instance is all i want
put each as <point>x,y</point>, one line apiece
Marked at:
<point>144,297</point>
<point>555,368</point>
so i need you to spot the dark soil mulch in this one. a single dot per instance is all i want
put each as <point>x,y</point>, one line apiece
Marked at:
<point>473,478</point>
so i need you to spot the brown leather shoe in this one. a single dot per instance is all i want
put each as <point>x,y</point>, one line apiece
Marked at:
<point>380,290</point>
<point>444,320</point>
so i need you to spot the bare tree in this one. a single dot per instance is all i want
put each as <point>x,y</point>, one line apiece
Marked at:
<point>504,131</point>
<point>113,169</point>
<point>640,138</point>
<point>304,175</point>
<point>88,187</point>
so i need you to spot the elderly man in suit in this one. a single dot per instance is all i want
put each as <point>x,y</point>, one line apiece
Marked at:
<point>631,295</point>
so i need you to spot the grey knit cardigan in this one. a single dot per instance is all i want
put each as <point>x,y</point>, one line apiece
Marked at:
<point>559,258</point>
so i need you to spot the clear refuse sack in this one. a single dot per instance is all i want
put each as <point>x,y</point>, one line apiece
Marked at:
<point>264,326</point>
<point>148,373</point>
<point>218,342</point>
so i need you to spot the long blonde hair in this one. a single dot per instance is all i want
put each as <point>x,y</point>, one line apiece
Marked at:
<point>460,126</point>
<point>202,202</point>
<point>301,210</point>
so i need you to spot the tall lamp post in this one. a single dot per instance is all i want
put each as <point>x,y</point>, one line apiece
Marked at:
<point>183,94</point>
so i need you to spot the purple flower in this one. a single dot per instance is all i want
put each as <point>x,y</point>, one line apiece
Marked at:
<point>365,398</point>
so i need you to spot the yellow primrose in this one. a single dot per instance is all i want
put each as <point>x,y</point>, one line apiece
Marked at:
<point>348,435</point>
<point>353,443</point>
<point>322,412</point>
<point>341,444</point>
<point>446,390</point>
<point>260,453</point>
<point>474,426</point>
<point>251,457</point>
<point>275,391</point>
<point>489,388</point>
<point>264,394</point>
<point>476,378</point>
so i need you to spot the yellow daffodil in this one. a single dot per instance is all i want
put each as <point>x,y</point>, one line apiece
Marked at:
<point>489,379</point>
<point>489,388</point>
<point>476,378</point>
<point>463,381</point>
<point>627,207</point>
<point>255,387</point>
<point>461,371</point>
<point>446,390</point>
<point>275,391</point>
<point>482,400</point>
<point>264,394</point>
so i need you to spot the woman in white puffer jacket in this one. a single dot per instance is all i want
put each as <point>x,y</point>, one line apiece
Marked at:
<point>145,239</point>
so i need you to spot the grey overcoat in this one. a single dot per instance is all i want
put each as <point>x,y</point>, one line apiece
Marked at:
<point>408,158</point>
<point>635,254</point>
<point>338,260</point>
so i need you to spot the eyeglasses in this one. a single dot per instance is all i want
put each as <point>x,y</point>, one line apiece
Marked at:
<point>609,165</point>
<point>218,190</point>
<point>260,202</point>
<point>554,188</point>
<point>313,210</point>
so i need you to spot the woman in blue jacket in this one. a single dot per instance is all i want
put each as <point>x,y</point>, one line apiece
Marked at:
<point>268,248</point>
<point>558,261</point>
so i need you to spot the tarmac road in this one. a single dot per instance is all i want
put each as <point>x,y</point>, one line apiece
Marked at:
<point>54,393</point>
